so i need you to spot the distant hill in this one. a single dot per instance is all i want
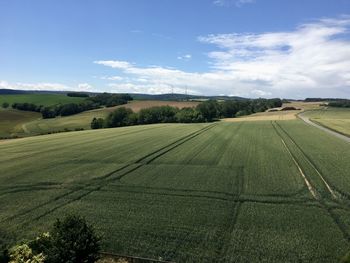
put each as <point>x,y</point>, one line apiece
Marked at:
<point>181,97</point>
<point>136,96</point>
<point>11,91</point>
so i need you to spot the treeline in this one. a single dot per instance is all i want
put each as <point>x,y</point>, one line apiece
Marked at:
<point>205,112</point>
<point>27,107</point>
<point>340,103</point>
<point>67,109</point>
<point>78,94</point>
<point>90,103</point>
<point>110,100</point>
<point>321,99</point>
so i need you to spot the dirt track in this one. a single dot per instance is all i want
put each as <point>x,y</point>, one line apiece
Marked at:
<point>336,134</point>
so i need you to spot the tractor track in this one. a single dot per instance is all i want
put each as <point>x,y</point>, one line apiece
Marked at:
<point>106,178</point>
<point>319,198</point>
<point>312,164</point>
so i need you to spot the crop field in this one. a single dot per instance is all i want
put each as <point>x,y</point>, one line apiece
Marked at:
<point>12,121</point>
<point>38,99</point>
<point>279,115</point>
<point>337,119</point>
<point>262,191</point>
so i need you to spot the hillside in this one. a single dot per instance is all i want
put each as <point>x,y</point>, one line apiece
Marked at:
<point>12,121</point>
<point>36,125</point>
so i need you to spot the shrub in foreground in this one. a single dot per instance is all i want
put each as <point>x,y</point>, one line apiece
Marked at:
<point>71,240</point>
<point>24,254</point>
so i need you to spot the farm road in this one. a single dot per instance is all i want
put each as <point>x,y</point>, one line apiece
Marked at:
<point>308,121</point>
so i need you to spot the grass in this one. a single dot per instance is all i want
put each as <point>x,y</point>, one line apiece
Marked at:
<point>220,192</point>
<point>38,99</point>
<point>337,119</point>
<point>12,121</point>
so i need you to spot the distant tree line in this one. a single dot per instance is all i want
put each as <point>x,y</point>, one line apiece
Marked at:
<point>67,109</point>
<point>204,112</point>
<point>78,94</point>
<point>321,99</point>
<point>104,99</point>
<point>110,100</point>
<point>340,103</point>
<point>27,106</point>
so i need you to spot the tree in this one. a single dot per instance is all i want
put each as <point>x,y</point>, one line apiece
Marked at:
<point>209,110</point>
<point>73,241</point>
<point>97,123</point>
<point>188,115</point>
<point>48,112</point>
<point>118,118</point>
<point>5,105</point>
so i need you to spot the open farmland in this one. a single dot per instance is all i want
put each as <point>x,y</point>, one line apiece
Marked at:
<point>279,115</point>
<point>12,121</point>
<point>337,119</point>
<point>39,99</point>
<point>262,191</point>
<point>83,120</point>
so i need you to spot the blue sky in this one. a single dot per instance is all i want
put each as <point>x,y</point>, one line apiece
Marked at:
<point>248,48</point>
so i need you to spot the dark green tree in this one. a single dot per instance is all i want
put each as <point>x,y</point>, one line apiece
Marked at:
<point>5,105</point>
<point>73,240</point>
<point>209,110</point>
<point>119,118</point>
<point>97,123</point>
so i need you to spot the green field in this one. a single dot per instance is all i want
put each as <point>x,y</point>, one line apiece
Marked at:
<point>77,121</point>
<point>12,121</point>
<point>337,119</point>
<point>219,192</point>
<point>39,99</point>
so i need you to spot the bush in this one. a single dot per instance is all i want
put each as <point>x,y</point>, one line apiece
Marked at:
<point>119,118</point>
<point>97,123</point>
<point>5,105</point>
<point>48,112</point>
<point>188,115</point>
<point>158,114</point>
<point>72,240</point>
<point>24,254</point>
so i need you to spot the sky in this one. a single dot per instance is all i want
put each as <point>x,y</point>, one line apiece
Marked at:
<point>249,48</point>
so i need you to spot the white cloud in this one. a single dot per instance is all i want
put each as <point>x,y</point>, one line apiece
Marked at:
<point>84,87</point>
<point>238,3</point>
<point>44,86</point>
<point>114,64</point>
<point>112,78</point>
<point>312,60</point>
<point>185,57</point>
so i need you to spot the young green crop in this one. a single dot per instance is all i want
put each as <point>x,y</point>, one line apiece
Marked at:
<point>219,192</point>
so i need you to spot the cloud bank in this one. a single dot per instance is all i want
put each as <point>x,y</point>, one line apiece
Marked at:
<point>44,86</point>
<point>312,60</point>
